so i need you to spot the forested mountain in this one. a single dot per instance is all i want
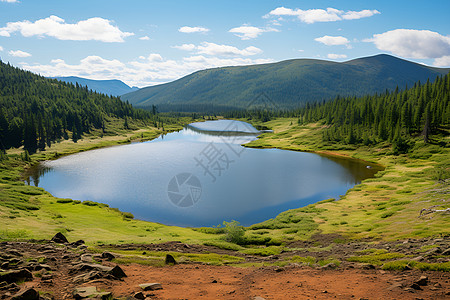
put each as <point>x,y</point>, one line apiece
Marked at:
<point>35,111</point>
<point>395,116</point>
<point>107,87</point>
<point>286,84</point>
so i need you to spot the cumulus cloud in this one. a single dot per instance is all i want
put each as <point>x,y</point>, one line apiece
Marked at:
<point>97,29</point>
<point>321,15</point>
<point>413,43</point>
<point>1,48</point>
<point>148,70</point>
<point>144,38</point>
<point>10,1</point>
<point>246,32</point>
<point>219,50</point>
<point>185,47</point>
<point>226,50</point>
<point>336,56</point>
<point>443,61</point>
<point>19,53</point>
<point>332,40</point>
<point>188,29</point>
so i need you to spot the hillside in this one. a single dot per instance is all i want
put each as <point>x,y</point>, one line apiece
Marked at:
<point>36,111</point>
<point>285,83</point>
<point>107,87</point>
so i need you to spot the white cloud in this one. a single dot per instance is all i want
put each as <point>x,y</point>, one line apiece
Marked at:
<point>10,1</point>
<point>226,50</point>
<point>321,15</point>
<point>219,50</point>
<point>332,40</point>
<point>97,29</point>
<point>149,70</point>
<point>443,61</point>
<point>246,32</point>
<point>413,43</point>
<point>336,56</point>
<point>144,38</point>
<point>1,48</point>
<point>185,47</point>
<point>187,29</point>
<point>19,53</point>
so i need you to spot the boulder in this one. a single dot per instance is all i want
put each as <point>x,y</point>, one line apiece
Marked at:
<point>151,286</point>
<point>170,260</point>
<point>16,275</point>
<point>117,272</point>
<point>59,238</point>
<point>422,281</point>
<point>85,292</point>
<point>108,256</point>
<point>28,294</point>
<point>139,295</point>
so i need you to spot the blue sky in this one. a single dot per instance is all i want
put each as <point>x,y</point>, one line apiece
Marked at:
<point>150,42</point>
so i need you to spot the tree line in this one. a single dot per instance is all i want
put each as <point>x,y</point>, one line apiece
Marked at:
<point>36,111</point>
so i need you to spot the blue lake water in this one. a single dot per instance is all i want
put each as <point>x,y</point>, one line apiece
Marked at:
<point>201,176</point>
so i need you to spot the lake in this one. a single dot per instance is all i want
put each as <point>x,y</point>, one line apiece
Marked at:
<point>201,176</point>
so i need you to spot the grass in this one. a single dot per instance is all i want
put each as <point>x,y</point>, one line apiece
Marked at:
<point>385,207</point>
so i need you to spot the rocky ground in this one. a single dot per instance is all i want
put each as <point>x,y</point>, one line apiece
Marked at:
<point>58,269</point>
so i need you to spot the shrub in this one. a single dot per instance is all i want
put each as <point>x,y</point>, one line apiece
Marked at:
<point>234,233</point>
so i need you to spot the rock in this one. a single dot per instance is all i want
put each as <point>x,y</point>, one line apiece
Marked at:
<point>395,286</point>
<point>87,258</point>
<point>4,286</point>
<point>446,252</point>
<point>422,281</point>
<point>77,243</point>
<point>28,294</point>
<point>170,260</point>
<point>108,256</point>
<point>367,266</point>
<point>87,277</point>
<point>151,286</point>
<point>139,295</point>
<point>258,298</point>
<point>16,275</point>
<point>84,292</point>
<point>416,286</point>
<point>329,266</point>
<point>418,258</point>
<point>15,253</point>
<point>39,267</point>
<point>117,272</point>
<point>59,238</point>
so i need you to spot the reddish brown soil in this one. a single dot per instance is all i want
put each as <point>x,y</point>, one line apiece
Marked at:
<point>225,282</point>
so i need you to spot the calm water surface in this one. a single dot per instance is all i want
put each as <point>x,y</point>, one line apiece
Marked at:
<point>200,176</point>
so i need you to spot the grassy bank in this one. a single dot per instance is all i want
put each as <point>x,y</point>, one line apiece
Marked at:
<point>387,206</point>
<point>30,212</point>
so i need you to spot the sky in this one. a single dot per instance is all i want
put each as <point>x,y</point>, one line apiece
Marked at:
<point>149,42</point>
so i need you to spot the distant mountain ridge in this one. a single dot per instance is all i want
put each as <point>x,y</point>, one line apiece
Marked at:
<point>109,87</point>
<point>286,83</point>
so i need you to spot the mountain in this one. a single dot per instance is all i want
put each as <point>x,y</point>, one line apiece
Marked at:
<point>36,111</point>
<point>285,84</point>
<point>107,87</point>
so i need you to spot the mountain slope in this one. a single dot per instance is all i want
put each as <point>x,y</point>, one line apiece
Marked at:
<point>107,87</point>
<point>36,111</point>
<point>286,83</point>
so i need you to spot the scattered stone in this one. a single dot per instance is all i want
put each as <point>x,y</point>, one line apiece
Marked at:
<point>395,286</point>
<point>329,266</point>
<point>84,292</point>
<point>416,286</point>
<point>258,298</point>
<point>59,238</point>
<point>77,243</point>
<point>16,275</point>
<point>87,258</point>
<point>28,294</point>
<point>214,281</point>
<point>151,286</point>
<point>117,272</point>
<point>170,260</point>
<point>446,252</point>
<point>4,286</point>
<point>108,256</point>
<point>422,281</point>
<point>139,295</point>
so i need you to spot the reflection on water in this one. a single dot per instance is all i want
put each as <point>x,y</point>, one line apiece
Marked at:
<point>155,180</point>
